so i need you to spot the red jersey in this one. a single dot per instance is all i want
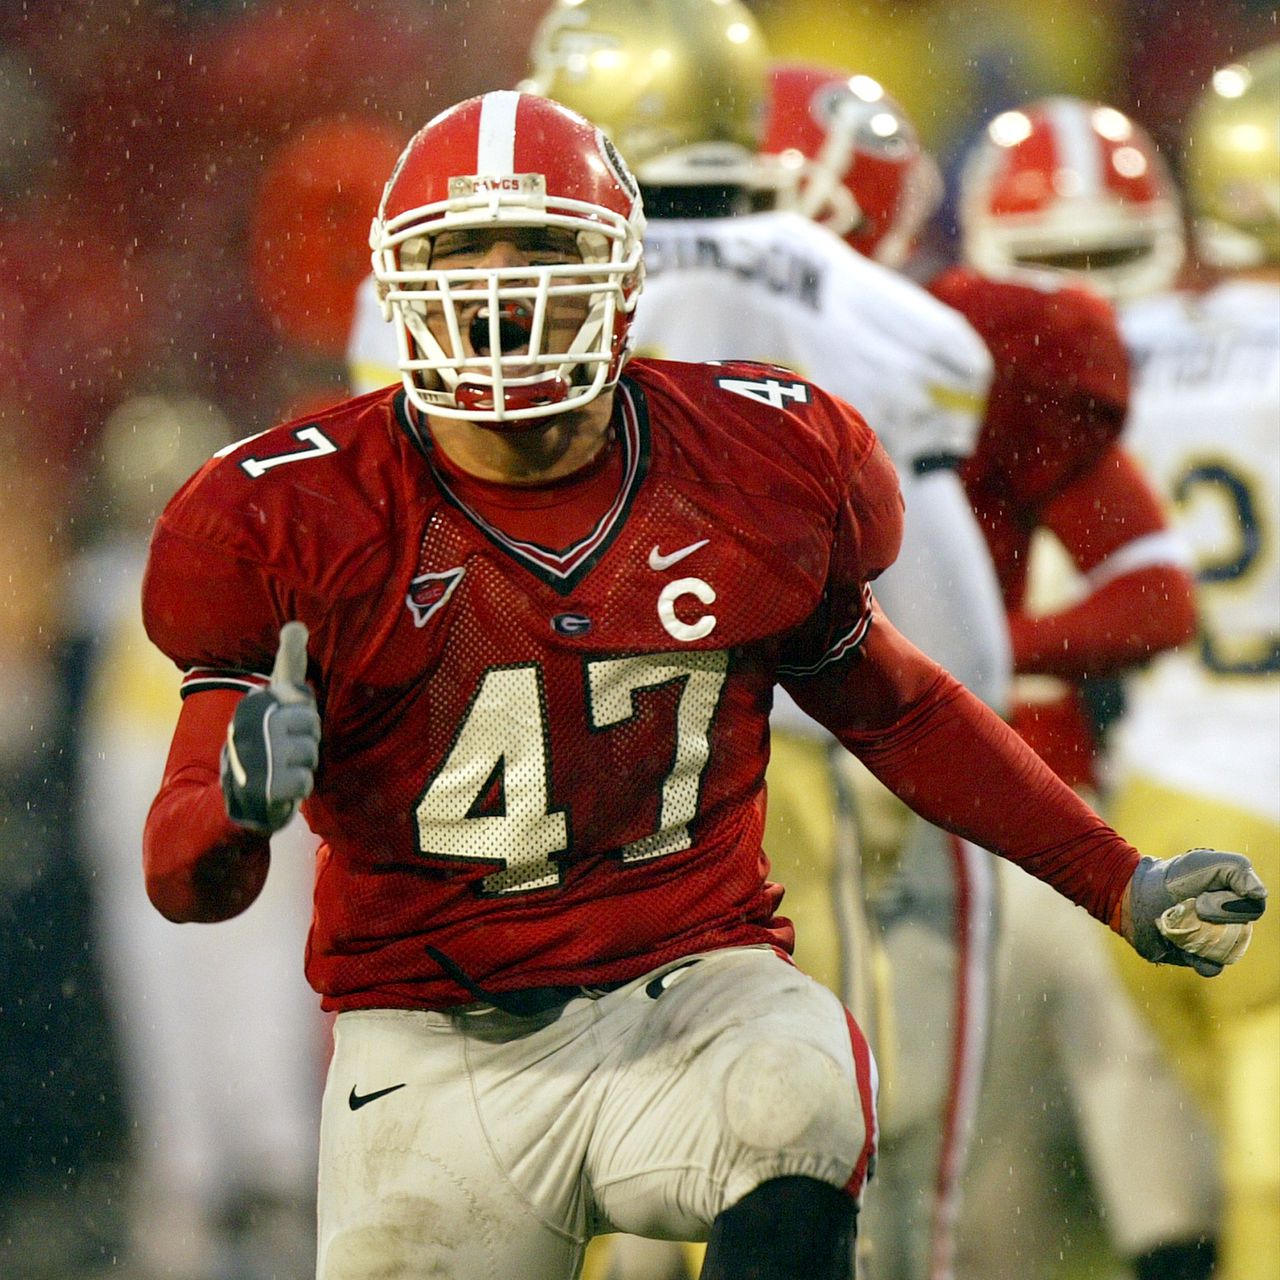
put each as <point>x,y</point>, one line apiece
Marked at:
<point>1057,401</point>
<point>544,766</point>
<point>1047,457</point>
<point>547,761</point>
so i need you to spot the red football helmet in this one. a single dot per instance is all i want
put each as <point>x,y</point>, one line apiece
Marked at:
<point>515,160</point>
<point>841,151</point>
<point>1073,187</point>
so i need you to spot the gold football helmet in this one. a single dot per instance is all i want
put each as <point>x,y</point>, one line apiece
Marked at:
<point>1233,163</point>
<point>678,85</point>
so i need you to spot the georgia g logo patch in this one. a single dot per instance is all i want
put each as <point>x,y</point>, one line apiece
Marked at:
<point>429,591</point>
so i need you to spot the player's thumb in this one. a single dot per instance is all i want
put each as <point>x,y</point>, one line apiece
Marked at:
<point>289,674</point>
<point>1228,906</point>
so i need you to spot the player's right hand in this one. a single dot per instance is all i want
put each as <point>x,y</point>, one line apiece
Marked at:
<point>273,742</point>
<point>1196,909</point>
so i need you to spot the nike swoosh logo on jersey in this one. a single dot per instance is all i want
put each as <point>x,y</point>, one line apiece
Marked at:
<point>658,562</point>
<point>358,1100</point>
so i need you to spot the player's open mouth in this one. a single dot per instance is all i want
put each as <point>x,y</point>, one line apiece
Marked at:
<point>515,325</point>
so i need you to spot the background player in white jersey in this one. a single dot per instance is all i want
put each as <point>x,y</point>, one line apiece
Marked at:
<point>1200,745</point>
<point>1045,189</point>
<point>723,281</point>
<point>1046,466</point>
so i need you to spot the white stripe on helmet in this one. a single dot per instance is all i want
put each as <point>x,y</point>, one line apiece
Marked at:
<point>1077,144</point>
<point>496,151</point>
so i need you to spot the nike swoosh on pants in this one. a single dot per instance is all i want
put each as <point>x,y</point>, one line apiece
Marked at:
<point>356,1100</point>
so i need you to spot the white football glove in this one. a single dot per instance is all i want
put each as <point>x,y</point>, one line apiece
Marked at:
<point>273,742</point>
<point>1196,909</point>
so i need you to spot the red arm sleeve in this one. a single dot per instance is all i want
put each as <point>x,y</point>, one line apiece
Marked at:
<point>865,541</point>
<point>1136,614</point>
<point>959,766</point>
<point>198,864</point>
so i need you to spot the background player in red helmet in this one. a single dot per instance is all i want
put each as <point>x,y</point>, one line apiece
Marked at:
<point>1047,190</point>
<point>1048,456</point>
<point>543,913</point>
<point>1069,200</point>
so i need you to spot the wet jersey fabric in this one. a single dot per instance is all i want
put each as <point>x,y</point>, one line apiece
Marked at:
<point>544,763</point>
<point>1057,401</point>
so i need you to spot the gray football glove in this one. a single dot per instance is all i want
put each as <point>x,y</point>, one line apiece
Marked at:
<point>1196,909</point>
<point>273,742</point>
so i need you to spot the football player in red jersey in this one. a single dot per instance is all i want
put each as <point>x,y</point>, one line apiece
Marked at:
<point>1048,457</point>
<point>1047,460</point>
<point>539,603</point>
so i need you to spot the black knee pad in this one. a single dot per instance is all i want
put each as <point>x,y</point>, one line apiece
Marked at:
<point>786,1229</point>
<point>1187,1260</point>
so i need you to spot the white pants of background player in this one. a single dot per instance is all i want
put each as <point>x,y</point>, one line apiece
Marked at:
<point>1074,1062</point>
<point>221,1041</point>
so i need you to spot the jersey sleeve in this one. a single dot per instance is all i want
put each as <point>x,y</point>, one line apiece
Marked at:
<point>198,865</point>
<point>209,604</point>
<point>927,370</point>
<point>866,537</point>
<point>954,377</point>
<point>288,524</point>
<point>219,635</point>
<point>958,765</point>
<point>1139,598</point>
<point>230,562</point>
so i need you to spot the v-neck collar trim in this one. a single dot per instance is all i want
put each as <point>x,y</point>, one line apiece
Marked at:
<point>563,569</point>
